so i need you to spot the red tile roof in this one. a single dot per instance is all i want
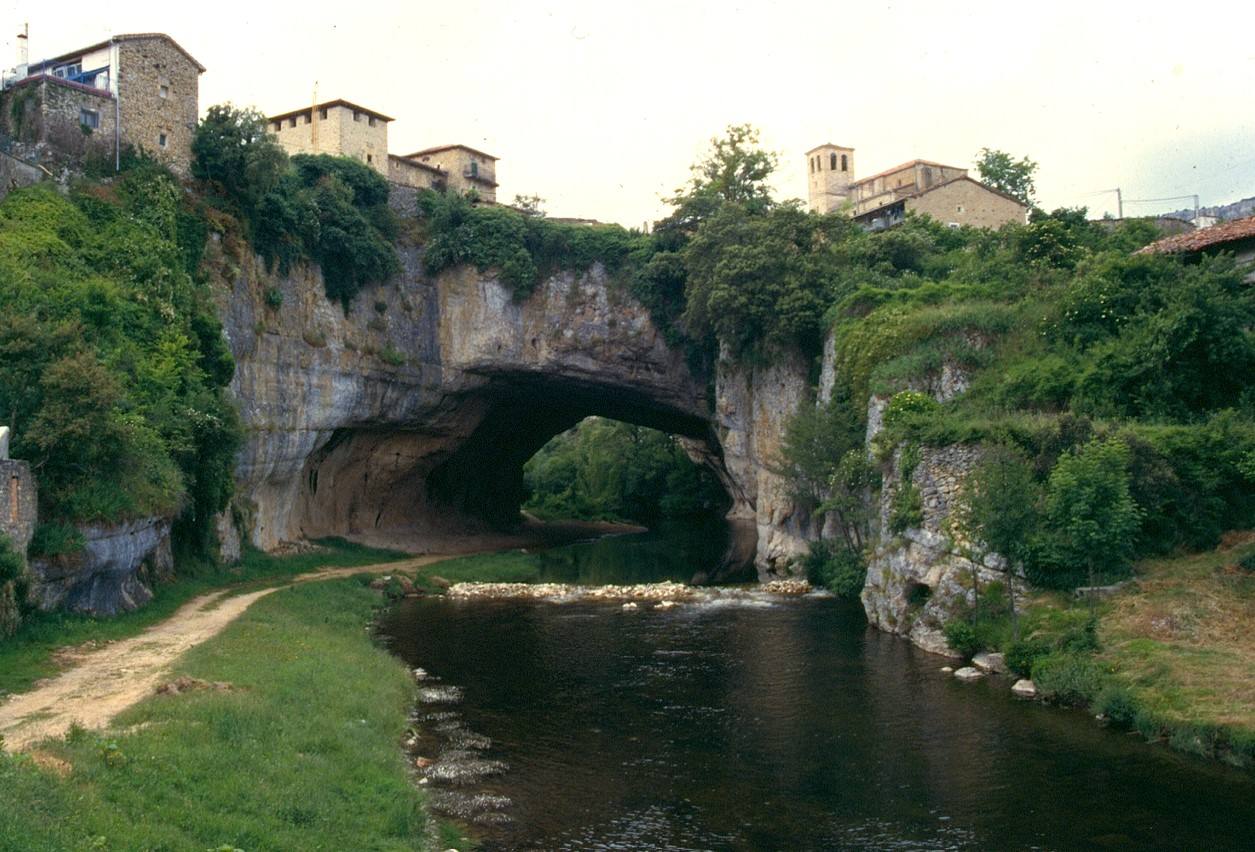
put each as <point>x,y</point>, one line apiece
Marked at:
<point>338,102</point>
<point>907,165</point>
<point>1204,238</point>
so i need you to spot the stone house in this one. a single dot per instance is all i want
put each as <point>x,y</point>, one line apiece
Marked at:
<point>946,193</point>
<point>467,168</point>
<point>138,89</point>
<point>18,500</point>
<point>347,129</point>
<point>1236,237</point>
<point>340,128</point>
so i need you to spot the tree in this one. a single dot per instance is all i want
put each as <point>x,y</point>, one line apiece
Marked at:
<point>998,506</point>
<point>827,468</point>
<point>1005,174</point>
<point>1091,517</point>
<point>735,171</point>
<point>233,149</point>
<point>530,205</point>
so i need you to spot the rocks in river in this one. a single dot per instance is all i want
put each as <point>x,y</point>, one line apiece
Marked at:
<point>458,769</point>
<point>640,593</point>
<point>947,669</point>
<point>786,587</point>
<point>990,663</point>
<point>440,695</point>
<point>664,604</point>
<point>439,582</point>
<point>969,673</point>
<point>1025,688</point>
<point>630,606</point>
<point>420,674</point>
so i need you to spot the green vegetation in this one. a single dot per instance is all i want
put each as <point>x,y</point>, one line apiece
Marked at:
<point>1169,656</point>
<point>12,587</point>
<point>524,247</point>
<point>1006,174</point>
<point>169,775</point>
<point>115,362</point>
<point>31,653</point>
<point>605,470</point>
<point>330,210</point>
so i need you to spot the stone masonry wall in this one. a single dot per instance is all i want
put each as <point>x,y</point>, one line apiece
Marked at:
<point>968,203</point>
<point>18,502</point>
<point>159,91</point>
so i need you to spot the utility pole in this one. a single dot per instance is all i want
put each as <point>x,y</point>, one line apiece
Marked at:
<point>1119,204</point>
<point>1195,211</point>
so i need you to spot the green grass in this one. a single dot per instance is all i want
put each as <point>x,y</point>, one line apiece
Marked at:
<point>510,566</point>
<point>30,654</point>
<point>302,753</point>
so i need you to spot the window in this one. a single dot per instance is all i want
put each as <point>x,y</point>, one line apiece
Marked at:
<point>292,121</point>
<point>162,139</point>
<point>370,158</point>
<point>322,114</point>
<point>812,165</point>
<point>89,118</point>
<point>832,162</point>
<point>959,208</point>
<point>844,164</point>
<point>474,169</point>
<point>357,116</point>
<point>163,91</point>
<point>372,121</point>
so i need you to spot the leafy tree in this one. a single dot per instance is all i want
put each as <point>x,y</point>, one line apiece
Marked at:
<point>1091,519</point>
<point>998,506</point>
<point>530,205</point>
<point>755,280</point>
<point>735,171</point>
<point>1007,174</point>
<point>232,149</point>
<point>607,470</point>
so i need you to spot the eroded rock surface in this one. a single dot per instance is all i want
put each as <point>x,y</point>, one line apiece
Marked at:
<point>104,578</point>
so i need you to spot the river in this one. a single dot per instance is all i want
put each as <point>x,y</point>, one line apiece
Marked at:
<point>753,722</point>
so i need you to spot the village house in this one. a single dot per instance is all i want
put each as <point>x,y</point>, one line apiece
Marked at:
<point>946,193</point>
<point>136,89</point>
<point>1236,237</point>
<point>347,129</point>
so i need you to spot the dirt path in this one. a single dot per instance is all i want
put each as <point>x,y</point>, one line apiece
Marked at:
<point>103,682</point>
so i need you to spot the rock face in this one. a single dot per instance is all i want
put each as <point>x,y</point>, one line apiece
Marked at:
<point>918,578</point>
<point>104,578</point>
<point>407,419</point>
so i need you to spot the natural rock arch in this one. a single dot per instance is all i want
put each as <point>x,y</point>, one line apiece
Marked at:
<point>410,415</point>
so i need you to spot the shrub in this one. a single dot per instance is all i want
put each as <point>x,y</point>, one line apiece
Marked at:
<point>1023,653</point>
<point>1068,678</point>
<point>274,298</point>
<point>839,569</point>
<point>962,637</point>
<point>393,356</point>
<point>55,539</point>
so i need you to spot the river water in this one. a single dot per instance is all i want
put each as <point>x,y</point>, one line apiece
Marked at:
<point>767,723</point>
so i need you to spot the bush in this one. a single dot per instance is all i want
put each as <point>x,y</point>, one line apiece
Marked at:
<point>55,539</point>
<point>1068,678</point>
<point>840,570</point>
<point>962,637</point>
<point>1023,653</point>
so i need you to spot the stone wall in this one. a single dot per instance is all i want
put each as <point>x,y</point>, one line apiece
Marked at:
<point>43,121</point>
<point>968,203</point>
<point>16,172</point>
<point>159,94</point>
<point>18,502</point>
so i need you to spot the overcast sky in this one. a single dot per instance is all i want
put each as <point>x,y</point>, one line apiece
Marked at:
<point>600,107</point>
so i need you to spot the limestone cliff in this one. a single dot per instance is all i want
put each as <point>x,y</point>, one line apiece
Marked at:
<point>406,419</point>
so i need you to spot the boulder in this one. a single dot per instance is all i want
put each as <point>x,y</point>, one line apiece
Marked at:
<point>990,663</point>
<point>1025,688</point>
<point>103,578</point>
<point>969,673</point>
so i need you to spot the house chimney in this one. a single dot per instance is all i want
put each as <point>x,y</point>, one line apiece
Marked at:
<point>23,51</point>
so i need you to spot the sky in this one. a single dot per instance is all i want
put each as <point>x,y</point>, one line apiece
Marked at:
<point>600,107</point>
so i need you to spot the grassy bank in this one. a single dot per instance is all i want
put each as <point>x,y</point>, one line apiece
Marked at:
<point>1171,655</point>
<point>32,653</point>
<point>301,752</point>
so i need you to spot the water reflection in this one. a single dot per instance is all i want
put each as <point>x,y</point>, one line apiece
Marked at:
<point>784,726</point>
